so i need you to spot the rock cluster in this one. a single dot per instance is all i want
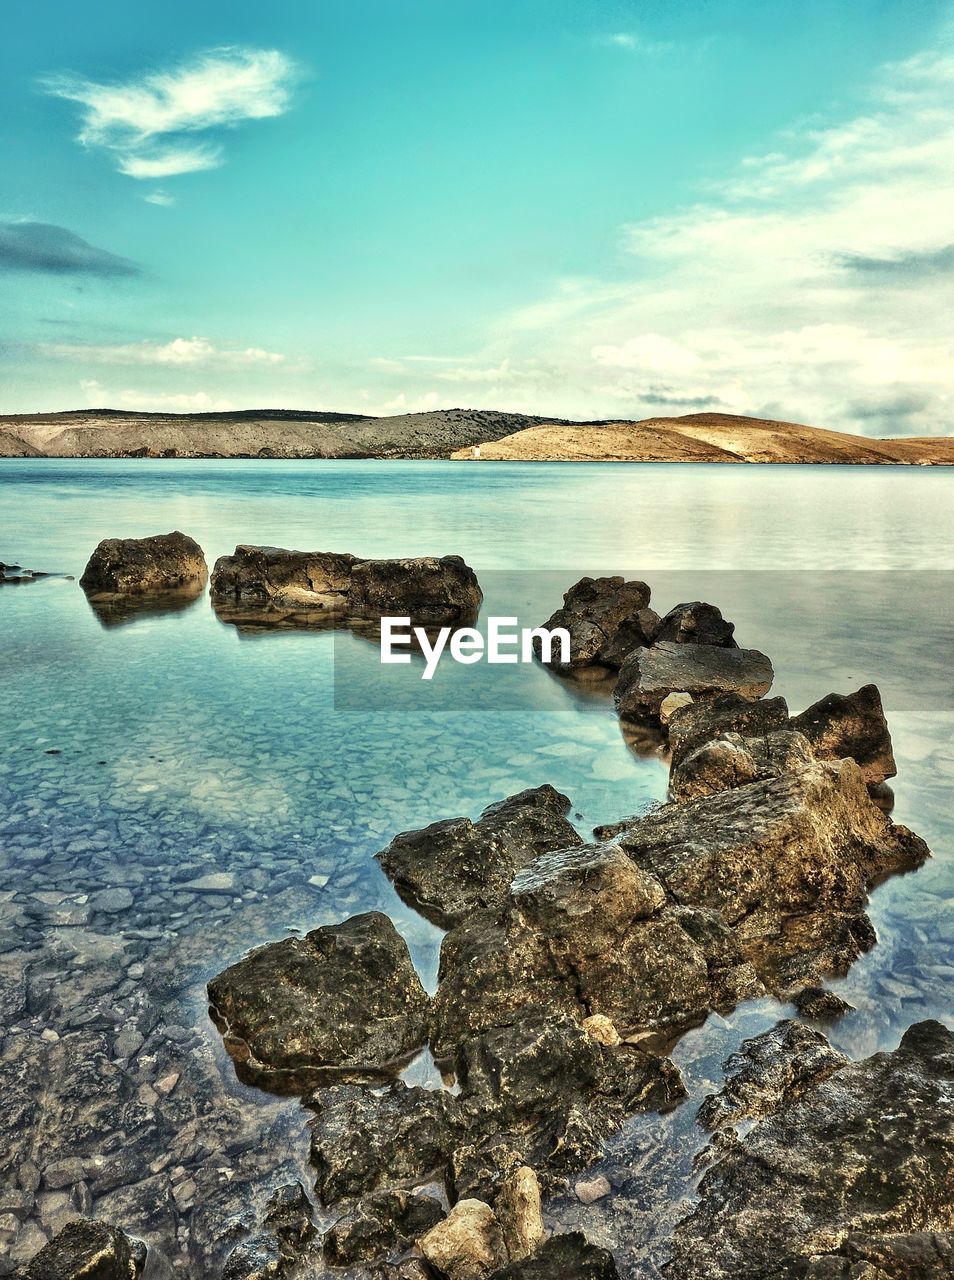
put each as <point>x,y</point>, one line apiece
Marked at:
<point>427,588</point>
<point>139,566</point>
<point>86,1250</point>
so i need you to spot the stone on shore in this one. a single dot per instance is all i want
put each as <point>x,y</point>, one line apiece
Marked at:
<point>648,676</point>
<point>450,869</point>
<point>468,1244</point>
<point>851,1177</point>
<point>427,588</point>
<point>86,1250</point>
<point>564,1257</point>
<point>605,618</point>
<point>343,996</point>
<point>382,1223</point>
<point>696,623</point>
<point>137,566</point>
<point>851,725</point>
<point>734,761</point>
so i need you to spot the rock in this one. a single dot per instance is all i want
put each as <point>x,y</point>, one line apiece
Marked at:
<point>426,588</point>
<point>589,1190</point>
<point>605,618</point>
<point>733,761</point>
<point>450,869</point>
<point>64,1173</point>
<point>383,1223</point>
<point>517,1207</point>
<point>648,676</point>
<point>700,722</point>
<point>695,623</point>
<point>467,1245</point>
<point>564,1257</point>
<point>112,901</point>
<point>214,882</point>
<point>363,1139</point>
<point>602,1029</point>
<point>850,1178</point>
<point>672,703</point>
<point>851,725</point>
<point>342,996</point>
<point>136,566</point>
<point>275,1250</point>
<point>86,1250</point>
<point>820,1005</point>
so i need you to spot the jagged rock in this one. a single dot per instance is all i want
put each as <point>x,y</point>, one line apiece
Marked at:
<point>696,623</point>
<point>363,1139</point>
<point>344,995</point>
<point>700,722</point>
<point>605,618</point>
<point>450,869</point>
<point>426,588</point>
<point>383,1223</point>
<point>735,761</point>
<point>468,1244</point>
<point>851,725</point>
<point>274,1250</point>
<point>564,1257</point>
<point>856,1170</point>
<point>517,1207</point>
<point>86,1250</point>
<point>770,1071</point>
<point>820,1004</point>
<point>648,676</point>
<point>136,566</point>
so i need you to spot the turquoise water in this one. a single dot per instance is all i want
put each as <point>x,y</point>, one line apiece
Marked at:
<point>184,747</point>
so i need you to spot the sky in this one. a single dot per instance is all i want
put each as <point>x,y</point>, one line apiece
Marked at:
<point>587,210</point>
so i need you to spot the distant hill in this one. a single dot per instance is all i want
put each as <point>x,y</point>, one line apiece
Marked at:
<point>447,433</point>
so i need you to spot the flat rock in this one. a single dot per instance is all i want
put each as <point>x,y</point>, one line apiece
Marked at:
<point>851,725</point>
<point>450,869</point>
<point>850,1178</point>
<point>605,618</point>
<point>86,1250</point>
<point>343,996</point>
<point>648,676</point>
<point>137,566</point>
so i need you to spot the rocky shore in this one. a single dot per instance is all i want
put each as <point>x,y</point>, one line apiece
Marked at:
<point>571,972</point>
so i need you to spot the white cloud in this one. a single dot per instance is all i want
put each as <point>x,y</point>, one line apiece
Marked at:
<point>145,122</point>
<point>177,353</point>
<point>159,197</point>
<point>199,401</point>
<point>634,43</point>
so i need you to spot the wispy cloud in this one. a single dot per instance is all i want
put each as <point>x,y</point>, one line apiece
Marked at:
<point>99,397</point>
<point>46,248</point>
<point>146,123</point>
<point>159,197</point>
<point>632,42</point>
<point>179,353</point>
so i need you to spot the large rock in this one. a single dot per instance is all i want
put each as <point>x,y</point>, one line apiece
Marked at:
<point>450,869</point>
<point>851,1177</point>
<point>605,618</point>
<point>564,1257</point>
<point>735,761</point>
<point>343,996</point>
<point>693,725</point>
<point>382,1223</point>
<point>86,1250</point>
<point>136,566</point>
<point>851,725</point>
<point>696,623</point>
<point>427,588</point>
<point>648,676</point>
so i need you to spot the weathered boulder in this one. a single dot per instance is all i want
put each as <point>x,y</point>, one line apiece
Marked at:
<point>450,869</point>
<point>696,623</point>
<point>820,1004</point>
<point>343,996</point>
<point>563,1257</point>
<point>850,1178</point>
<point>426,588</point>
<point>697,723</point>
<point>648,676</point>
<point>467,1245</point>
<point>86,1250</point>
<point>851,725</point>
<point>605,618</point>
<point>734,761</point>
<point>136,566</point>
<point>380,1224</point>
<point>276,1248</point>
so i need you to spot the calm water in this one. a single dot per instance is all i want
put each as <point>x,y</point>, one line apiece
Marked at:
<point>184,747</point>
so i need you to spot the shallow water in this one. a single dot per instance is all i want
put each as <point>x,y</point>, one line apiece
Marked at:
<point>185,748</point>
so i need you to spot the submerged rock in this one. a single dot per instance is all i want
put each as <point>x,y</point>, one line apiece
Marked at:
<point>343,996</point>
<point>450,869</point>
<point>851,1178</point>
<point>649,676</point>
<point>851,725</point>
<point>564,1257</point>
<point>820,1004</point>
<point>275,1250</point>
<point>605,618</point>
<point>696,623</point>
<point>137,566</point>
<point>380,1224</point>
<point>86,1250</point>
<point>426,588</point>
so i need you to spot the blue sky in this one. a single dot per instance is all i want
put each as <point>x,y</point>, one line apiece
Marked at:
<point>601,210</point>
